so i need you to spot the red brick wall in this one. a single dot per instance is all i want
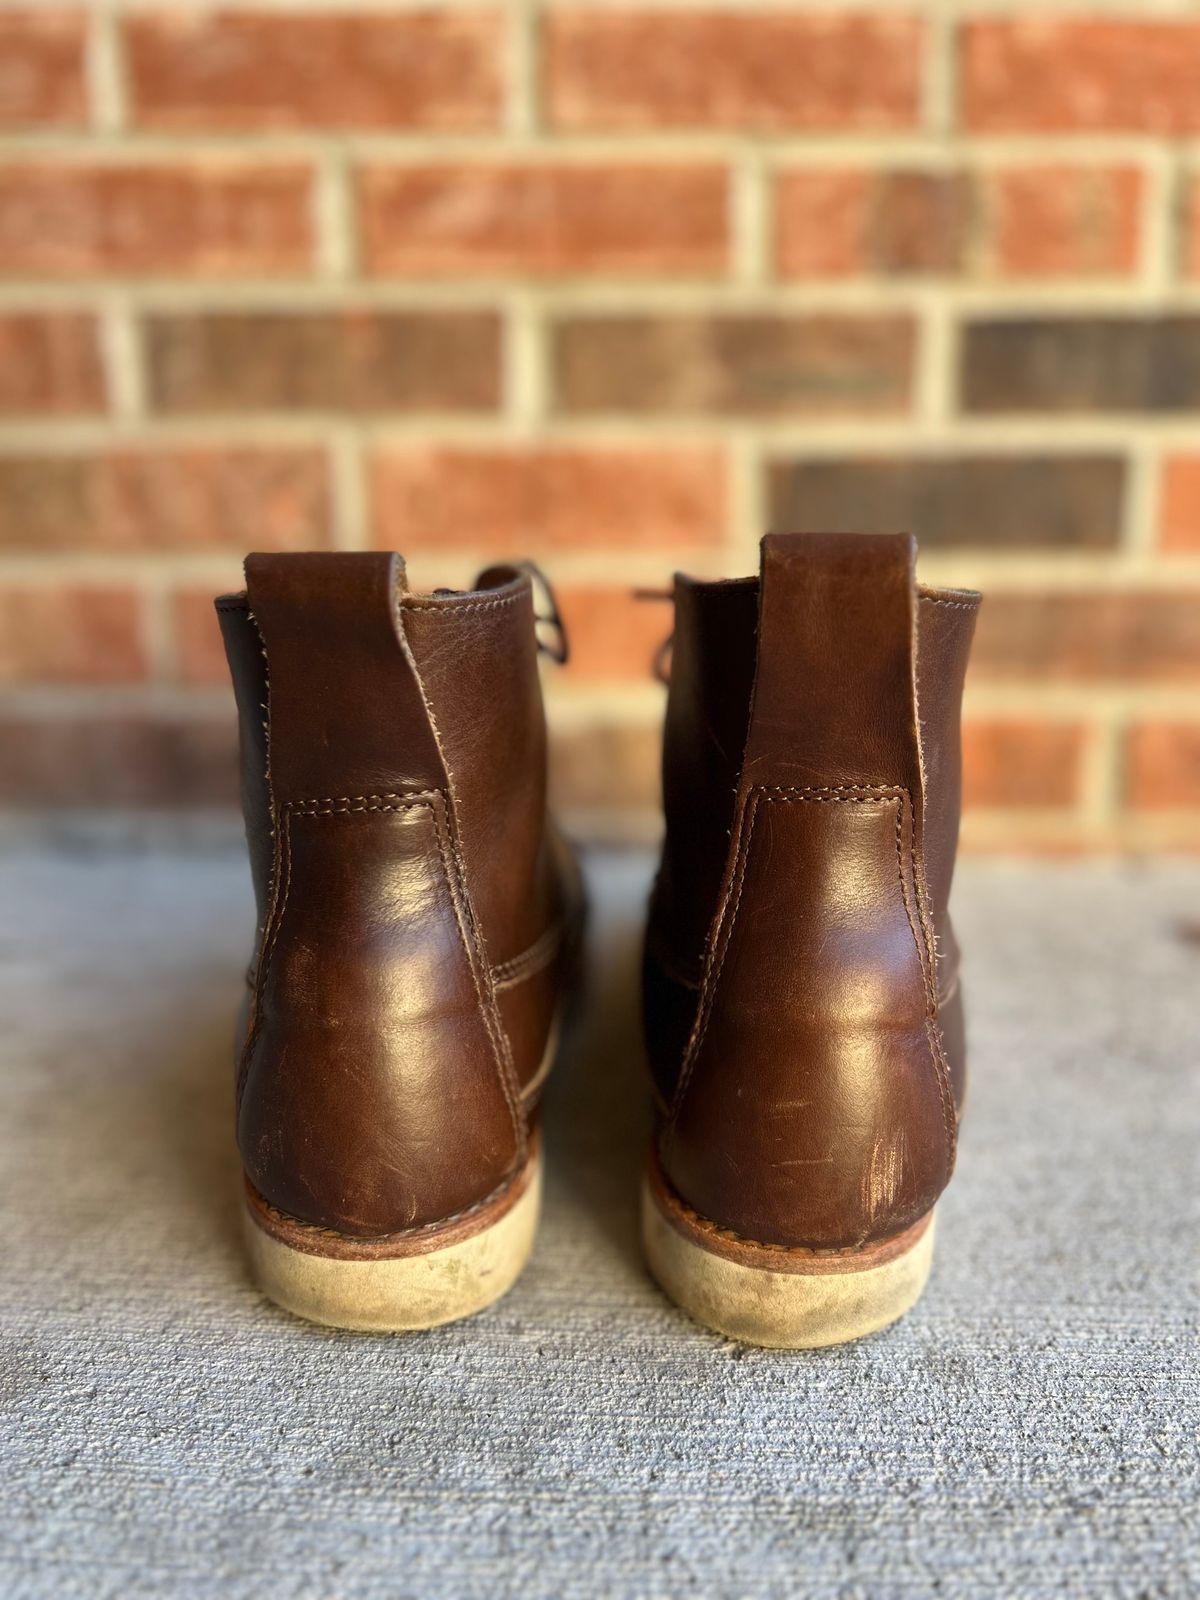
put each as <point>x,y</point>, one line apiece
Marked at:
<point>616,285</point>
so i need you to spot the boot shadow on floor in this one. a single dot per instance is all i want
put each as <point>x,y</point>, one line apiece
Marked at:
<point>597,1112</point>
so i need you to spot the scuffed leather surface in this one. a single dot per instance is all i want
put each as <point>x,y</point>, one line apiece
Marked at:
<point>787,1020</point>
<point>372,1101</point>
<point>812,1113</point>
<point>377,1085</point>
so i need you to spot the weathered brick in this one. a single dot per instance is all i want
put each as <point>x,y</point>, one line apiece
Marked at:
<point>611,766</point>
<point>207,218</point>
<point>1018,764</point>
<point>42,68</point>
<point>1162,765</point>
<point>117,761</point>
<point>1179,508</point>
<point>250,70</point>
<point>1018,221</point>
<point>841,222</point>
<point>1115,636</point>
<point>767,365</point>
<point>1082,364</point>
<point>50,363</point>
<point>178,499</point>
<point>196,639</point>
<point>70,633</point>
<point>613,635</point>
<point>1010,501</point>
<point>754,70</point>
<point>1065,221</point>
<point>361,360</point>
<point>626,219</point>
<point>1081,74</point>
<point>549,498</point>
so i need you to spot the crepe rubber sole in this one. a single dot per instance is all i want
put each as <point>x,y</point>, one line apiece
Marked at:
<point>782,1298</point>
<point>400,1281</point>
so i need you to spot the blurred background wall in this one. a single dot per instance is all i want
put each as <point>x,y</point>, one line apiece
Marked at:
<point>617,286</point>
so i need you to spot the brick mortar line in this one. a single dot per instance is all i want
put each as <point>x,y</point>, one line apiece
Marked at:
<point>1099,781</point>
<point>939,101</point>
<point>525,377</point>
<point>1160,224</point>
<point>818,148</point>
<point>1000,299</point>
<point>1080,702</point>
<point>522,50</point>
<point>748,508</point>
<point>349,491</point>
<point>104,72</point>
<point>935,366</point>
<point>1015,574</point>
<point>123,360</point>
<point>751,224</point>
<point>158,632</point>
<point>998,832</point>
<point>1139,524</point>
<point>639,704</point>
<point>815,437</point>
<point>334,221</point>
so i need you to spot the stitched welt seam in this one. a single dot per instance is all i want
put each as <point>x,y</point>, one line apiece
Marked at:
<point>530,962</point>
<point>283,881</point>
<point>927,965</point>
<point>724,932</point>
<point>475,961</point>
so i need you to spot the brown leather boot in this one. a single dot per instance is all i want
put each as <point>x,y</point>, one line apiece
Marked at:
<point>802,1008</point>
<point>417,914</point>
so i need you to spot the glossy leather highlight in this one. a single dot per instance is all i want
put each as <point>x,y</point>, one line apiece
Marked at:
<point>806,1083</point>
<point>419,909</point>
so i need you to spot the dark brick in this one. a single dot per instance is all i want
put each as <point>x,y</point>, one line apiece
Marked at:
<point>1082,364</point>
<point>1115,636</point>
<point>117,761</point>
<point>1006,501</point>
<point>735,364</point>
<point>610,767</point>
<point>921,222</point>
<point>347,361</point>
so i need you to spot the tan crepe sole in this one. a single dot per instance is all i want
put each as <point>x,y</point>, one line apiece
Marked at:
<point>400,1281</point>
<point>787,1299</point>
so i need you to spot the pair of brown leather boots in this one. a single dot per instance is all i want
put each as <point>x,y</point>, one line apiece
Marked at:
<point>419,923</point>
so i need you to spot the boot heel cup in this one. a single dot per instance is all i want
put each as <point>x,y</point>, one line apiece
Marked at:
<point>402,1281</point>
<point>784,1299</point>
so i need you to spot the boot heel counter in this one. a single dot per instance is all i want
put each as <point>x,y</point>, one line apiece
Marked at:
<point>821,1117</point>
<point>375,1093</point>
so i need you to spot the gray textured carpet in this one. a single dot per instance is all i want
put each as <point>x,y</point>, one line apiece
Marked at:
<point>1029,1430</point>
